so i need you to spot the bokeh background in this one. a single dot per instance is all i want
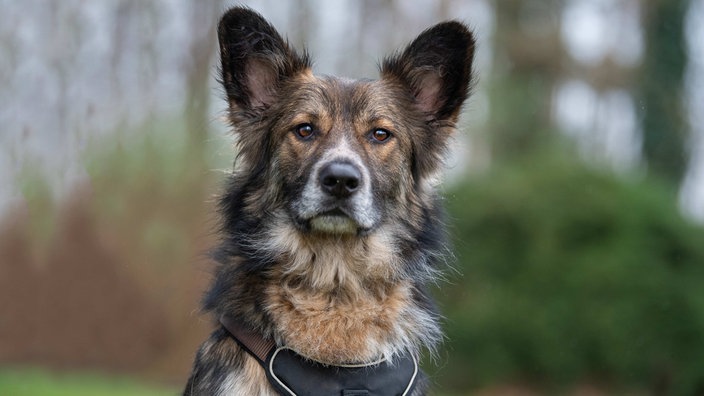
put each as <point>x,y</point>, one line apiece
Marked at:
<point>575,190</point>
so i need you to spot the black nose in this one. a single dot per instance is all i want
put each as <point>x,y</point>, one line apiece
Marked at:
<point>340,179</point>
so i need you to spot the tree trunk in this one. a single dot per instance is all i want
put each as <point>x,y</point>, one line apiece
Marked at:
<point>661,85</point>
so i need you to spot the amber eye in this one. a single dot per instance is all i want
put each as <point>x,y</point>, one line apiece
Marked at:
<point>304,131</point>
<point>381,135</point>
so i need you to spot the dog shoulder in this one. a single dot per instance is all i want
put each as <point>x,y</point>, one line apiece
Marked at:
<point>223,368</point>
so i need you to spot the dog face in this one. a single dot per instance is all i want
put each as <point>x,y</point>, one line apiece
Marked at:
<point>336,156</point>
<point>334,144</point>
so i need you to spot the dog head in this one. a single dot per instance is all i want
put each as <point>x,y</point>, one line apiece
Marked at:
<point>337,156</point>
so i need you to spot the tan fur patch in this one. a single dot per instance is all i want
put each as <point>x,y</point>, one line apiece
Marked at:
<point>334,329</point>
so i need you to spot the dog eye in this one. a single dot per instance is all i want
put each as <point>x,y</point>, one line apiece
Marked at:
<point>381,135</point>
<point>304,131</point>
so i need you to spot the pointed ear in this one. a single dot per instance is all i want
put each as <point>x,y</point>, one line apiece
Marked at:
<point>437,69</point>
<point>255,60</point>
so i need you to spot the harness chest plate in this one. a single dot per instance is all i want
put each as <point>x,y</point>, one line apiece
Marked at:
<point>294,375</point>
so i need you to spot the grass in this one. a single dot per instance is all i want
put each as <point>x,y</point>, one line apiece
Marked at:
<point>36,382</point>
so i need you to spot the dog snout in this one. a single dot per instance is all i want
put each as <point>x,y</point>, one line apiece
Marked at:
<point>340,179</point>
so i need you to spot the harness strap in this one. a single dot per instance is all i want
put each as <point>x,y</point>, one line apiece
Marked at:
<point>251,341</point>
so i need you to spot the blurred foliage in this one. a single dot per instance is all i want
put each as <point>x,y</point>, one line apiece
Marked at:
<point>129,242</point>
<point>38,382</point>
<point>37,194</point>
<point>571,274</point>
<point>154,187</point>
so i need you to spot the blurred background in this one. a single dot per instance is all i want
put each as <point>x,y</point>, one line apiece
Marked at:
<point>575,190</point>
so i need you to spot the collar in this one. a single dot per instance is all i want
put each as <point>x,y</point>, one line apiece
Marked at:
<point>294,375</point>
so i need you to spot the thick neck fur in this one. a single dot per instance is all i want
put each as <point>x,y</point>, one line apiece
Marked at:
<point>334,299</point>
<point>342,297</point>
<point>344,266</point>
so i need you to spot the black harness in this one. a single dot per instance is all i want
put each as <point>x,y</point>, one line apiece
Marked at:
<point>293,375</point>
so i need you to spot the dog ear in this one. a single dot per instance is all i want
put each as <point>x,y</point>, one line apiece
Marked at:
<point>255,60</point>
<point>437,68</point>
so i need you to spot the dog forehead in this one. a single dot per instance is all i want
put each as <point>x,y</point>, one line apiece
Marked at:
<point>349,98</point>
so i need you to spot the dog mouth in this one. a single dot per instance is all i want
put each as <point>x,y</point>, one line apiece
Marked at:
<point>334,221</point>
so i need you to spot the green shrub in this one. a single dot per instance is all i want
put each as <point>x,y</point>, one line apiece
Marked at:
<point>572,275</point>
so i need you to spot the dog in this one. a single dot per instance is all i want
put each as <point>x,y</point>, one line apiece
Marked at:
<point>331,221</point>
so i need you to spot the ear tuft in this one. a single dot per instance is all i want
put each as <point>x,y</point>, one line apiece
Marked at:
<point>437,69</point>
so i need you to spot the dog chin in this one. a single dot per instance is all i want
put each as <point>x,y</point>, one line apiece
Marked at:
<point>334,224</point>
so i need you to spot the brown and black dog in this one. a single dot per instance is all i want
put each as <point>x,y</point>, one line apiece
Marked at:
<point>331,221</point>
